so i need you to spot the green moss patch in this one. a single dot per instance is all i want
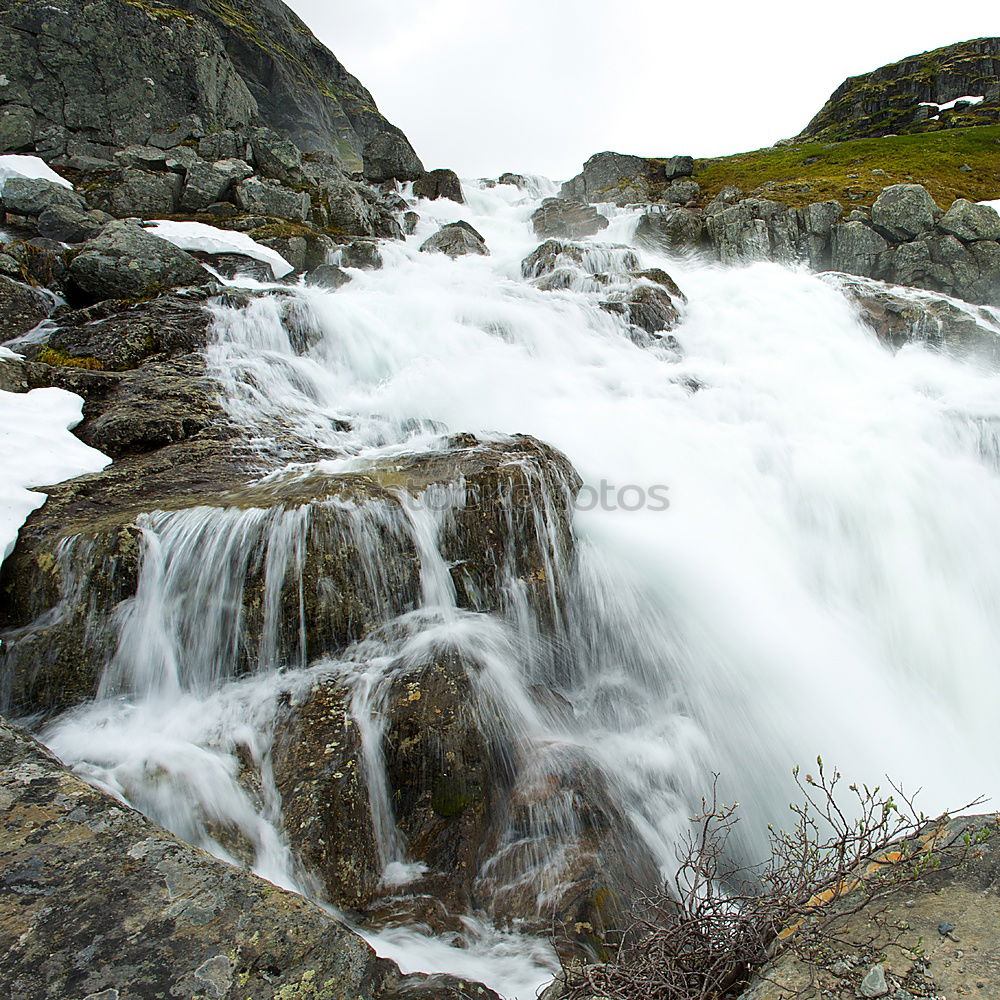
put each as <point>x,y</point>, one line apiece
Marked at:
<point>854,172</point>
<point>60,359</point>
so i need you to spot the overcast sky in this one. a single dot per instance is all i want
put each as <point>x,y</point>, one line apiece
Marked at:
<point>536,86</point>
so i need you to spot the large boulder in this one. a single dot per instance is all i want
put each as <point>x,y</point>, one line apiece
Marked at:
<point>858,249</point>
<point>560,217</point>
<point>456,239</point>
<point>33,195</point>
<point>127,262</point>
<point>276,157</point>
<point>970,222</point>
<point>625,179</point>
<point>69,224</point>
<point>904,211</point>
<point>272,199</point>
<point>257,64</point>
<point>206,928</point>
<point>143,194</point>
<point>205,184</point>
<point>439,184</point>
<point>647,306</point>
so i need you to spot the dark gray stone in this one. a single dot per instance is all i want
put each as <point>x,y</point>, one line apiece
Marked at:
<point>127,262</point>
<point>276,157</point>
<point>272,199</point>
<point>363,254</point>
<point>144,195</point>
<point>456,239</point>
<point>755,229</point>
<point>327,276</point>
<point>71,225</point>
<point>204,185</point>
<point>223,145</point>
<point>22,308</point>
<point>32,195</point>
<point>439,184</point>
<point>858,249</point>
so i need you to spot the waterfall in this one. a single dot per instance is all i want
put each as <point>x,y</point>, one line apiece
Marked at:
<point>785,546</point>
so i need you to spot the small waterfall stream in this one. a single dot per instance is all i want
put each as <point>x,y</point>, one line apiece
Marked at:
<point>823,579</point>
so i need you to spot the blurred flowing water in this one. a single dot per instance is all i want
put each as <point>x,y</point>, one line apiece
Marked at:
<point>825,578</point>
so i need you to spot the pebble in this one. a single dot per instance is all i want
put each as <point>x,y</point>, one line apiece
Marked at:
<point>874,984</point>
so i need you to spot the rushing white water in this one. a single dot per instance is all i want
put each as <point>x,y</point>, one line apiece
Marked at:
<point>824,579</point>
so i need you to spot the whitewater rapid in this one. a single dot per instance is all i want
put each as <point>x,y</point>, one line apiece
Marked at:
<point>824,579</point>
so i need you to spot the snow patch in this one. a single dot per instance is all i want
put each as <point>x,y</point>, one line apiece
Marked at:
<point>950,105</point>
<point>208,239</point>
<point>18,165</point>
<point>38,450</point>
<point>995,205</point>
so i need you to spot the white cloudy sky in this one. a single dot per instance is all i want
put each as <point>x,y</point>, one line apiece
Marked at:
<point>538,85</point>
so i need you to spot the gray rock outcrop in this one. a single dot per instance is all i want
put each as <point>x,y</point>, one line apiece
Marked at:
<point>257,65</point>
<point>439,184</point>
<point>456,240</point>
<point>126,262</point>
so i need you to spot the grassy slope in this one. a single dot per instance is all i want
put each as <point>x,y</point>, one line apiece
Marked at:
<point>843,170</point>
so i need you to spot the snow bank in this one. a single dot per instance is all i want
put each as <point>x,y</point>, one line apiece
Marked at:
<point>208,239</point>
<point>38,450</point>
<point>968,99</point>
<point>16,165</point>
<point>995,205</point>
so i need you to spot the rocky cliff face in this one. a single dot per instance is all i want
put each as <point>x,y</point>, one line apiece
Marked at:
<point>82,79</point>
<point>906,96</point>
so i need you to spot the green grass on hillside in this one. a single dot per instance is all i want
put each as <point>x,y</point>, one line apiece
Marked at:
<point>853,172</point>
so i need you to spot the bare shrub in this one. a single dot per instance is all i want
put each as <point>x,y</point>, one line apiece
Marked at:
<point>702,935</point>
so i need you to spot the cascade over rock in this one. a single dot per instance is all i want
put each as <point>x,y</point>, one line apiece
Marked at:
<point>184,924</point>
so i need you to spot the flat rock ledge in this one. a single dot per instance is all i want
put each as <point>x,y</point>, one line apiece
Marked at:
<point>98,902</point>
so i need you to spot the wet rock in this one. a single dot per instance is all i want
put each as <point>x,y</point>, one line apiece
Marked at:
<point>209,929</point>
<point>328,276</point>
<point>236,265</point>
<point>363,254</point>
<point>117,336</point>
<point>647,307</point>
<point>818,220</point>
<point>71,225</point>
<point>901,316</point>
<point>970,222</point>
<point>410,221</point>
<point>439,184</point>
<point>142,194</point>
<point>624,179</point>
<point>670,231</point>
<point>319,772</point>
<point>553,255</point>
<point>346,208</point>
<point>32,195</point>
<point>517,180</point>
<point>126,262</point>
<point>456,239</point>
<point>41,266</point>
<point>559,217</point>
<point>271,199</point>
<point>301,245</point>
<point>22,308</point>
<point>904,211</point>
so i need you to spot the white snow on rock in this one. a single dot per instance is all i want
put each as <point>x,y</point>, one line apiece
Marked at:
<point>37,449</point>
<point>995,205</point>
<point>208,239</point>
<point>968,99</point>
<point>18,165</point>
